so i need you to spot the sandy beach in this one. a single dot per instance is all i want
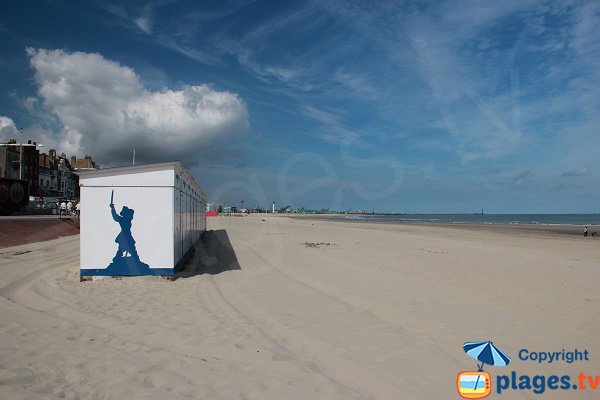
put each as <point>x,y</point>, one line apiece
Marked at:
<point>280,308</point>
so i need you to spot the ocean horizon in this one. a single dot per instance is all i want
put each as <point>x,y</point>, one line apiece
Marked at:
<point>480,219</point>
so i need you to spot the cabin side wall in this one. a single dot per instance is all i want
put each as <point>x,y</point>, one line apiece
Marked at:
<point>189,217</point>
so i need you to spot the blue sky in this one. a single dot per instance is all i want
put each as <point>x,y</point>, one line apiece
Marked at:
<point>448,106</point>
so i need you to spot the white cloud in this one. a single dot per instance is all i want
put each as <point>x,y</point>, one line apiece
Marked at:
<point>144,24</point>
<point>105,110</point>
<point>524,177</point>
<point>8,129</point>
<point>335,131</point>
<point>577,172</point>
<point>29,103</point>
<point>144,21</point>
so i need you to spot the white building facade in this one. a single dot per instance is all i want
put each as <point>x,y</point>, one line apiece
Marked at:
<point>139,220</point>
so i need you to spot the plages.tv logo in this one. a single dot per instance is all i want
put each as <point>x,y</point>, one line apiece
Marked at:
<point>478,384</point>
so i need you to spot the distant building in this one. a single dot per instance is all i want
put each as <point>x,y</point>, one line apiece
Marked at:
<point>214,207</point>
<point>67,181</point>
<point>58,176</point>
<point>85,163</point>
<point>49,175</point>
<point>9,159</point>
<point>4,163</point>
<point>13,164</point>
<point>48,183</point>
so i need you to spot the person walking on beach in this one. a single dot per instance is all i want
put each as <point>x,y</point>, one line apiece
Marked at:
<point>585,232</point>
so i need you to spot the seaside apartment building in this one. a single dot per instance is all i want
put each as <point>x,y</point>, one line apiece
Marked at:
<point>50,175</point>
<point>20,161</point>
<point>58,176</point>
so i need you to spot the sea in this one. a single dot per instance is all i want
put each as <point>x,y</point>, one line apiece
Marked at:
<point>505,219</point>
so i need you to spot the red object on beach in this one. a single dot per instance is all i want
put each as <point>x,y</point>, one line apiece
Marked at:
<point>212,214</point>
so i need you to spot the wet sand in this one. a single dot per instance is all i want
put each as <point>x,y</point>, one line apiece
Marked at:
<point>539,229</point>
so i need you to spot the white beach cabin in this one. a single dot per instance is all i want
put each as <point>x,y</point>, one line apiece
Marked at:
<point>139,220</point>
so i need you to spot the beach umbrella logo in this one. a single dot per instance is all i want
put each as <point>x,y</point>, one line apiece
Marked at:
<point>478,384</point>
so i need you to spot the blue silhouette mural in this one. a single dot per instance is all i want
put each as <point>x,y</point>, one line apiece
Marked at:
<point>124,239</point>
<point>126,260</point>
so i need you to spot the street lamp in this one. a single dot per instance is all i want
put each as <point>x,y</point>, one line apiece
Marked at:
<point>21,145</point>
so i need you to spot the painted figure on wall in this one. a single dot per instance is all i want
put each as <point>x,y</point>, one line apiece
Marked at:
<point>124,239</point>
<point>126,261</point>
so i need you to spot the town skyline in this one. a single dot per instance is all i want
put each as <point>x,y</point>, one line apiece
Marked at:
<point>50,174</point>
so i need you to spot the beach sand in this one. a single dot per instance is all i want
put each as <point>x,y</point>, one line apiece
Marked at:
<point>280,308</point>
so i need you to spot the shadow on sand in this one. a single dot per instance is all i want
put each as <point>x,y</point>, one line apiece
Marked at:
<point>213,254</point>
